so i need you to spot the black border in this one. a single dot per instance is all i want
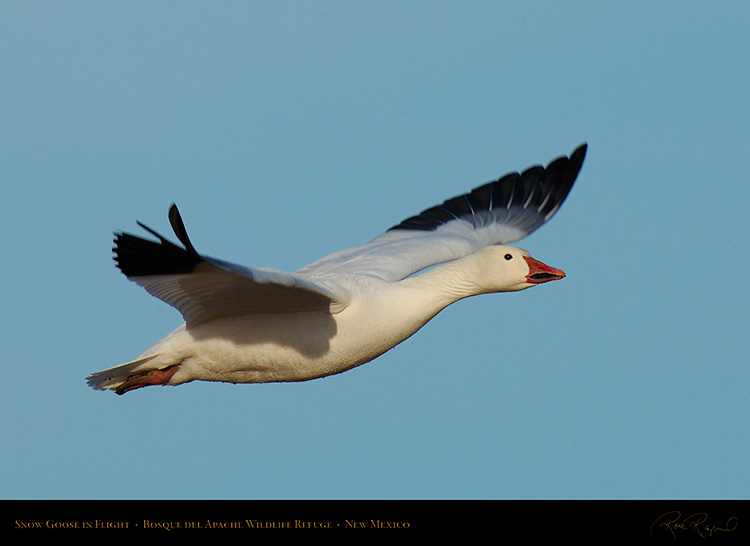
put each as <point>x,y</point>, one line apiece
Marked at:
<point>670,521</point>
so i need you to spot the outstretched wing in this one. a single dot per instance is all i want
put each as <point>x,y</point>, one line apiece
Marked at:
<point>499,212</point>
<point>202,288</point>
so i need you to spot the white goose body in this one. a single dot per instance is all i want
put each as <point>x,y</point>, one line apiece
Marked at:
<point>253,325</point>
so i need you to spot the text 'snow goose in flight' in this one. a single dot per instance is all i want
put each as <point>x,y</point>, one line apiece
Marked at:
<point>254,325</point>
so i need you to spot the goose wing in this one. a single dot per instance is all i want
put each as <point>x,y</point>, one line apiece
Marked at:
<point>202,288</point>
<point>499,212</point>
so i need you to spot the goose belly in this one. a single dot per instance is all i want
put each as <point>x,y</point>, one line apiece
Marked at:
<point>284,347</point>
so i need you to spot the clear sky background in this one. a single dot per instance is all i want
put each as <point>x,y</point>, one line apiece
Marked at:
<point>288,130</point>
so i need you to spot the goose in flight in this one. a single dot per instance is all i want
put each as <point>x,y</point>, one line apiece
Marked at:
<point>255,325</point>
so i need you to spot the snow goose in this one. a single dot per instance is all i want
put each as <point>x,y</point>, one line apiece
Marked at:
<point>255,325</point>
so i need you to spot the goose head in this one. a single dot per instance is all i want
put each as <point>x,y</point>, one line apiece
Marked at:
<point>505,268</point>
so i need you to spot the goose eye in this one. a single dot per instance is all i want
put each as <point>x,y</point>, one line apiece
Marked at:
<point>508,256</point>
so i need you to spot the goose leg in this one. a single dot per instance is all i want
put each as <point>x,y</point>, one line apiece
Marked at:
<point>144,379</point>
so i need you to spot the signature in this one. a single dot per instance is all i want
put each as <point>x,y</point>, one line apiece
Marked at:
<point>674,523</point>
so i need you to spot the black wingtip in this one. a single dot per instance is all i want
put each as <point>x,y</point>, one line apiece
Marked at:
<point>540,188</point>
<point>137,257</point>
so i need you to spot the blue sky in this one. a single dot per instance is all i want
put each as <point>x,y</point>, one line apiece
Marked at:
<point>287,130</point>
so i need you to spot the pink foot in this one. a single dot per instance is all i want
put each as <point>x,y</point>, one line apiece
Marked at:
<point>144,379</point>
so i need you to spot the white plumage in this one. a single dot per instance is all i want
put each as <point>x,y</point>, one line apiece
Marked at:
<point>253,325</point>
